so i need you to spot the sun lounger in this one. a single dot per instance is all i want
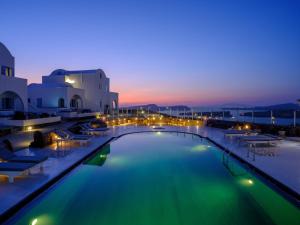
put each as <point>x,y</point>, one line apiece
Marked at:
<point>77,136</point>
<point>66,136</point>
<point>14,169</point>
<point>238,133</point>
<point>86,129</point>
<point>6,155</point>
<point>253,141</point>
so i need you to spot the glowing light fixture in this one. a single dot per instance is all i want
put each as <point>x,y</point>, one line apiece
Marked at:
<point>29,128</point>
<point>250,181</point>
<point>70,81</point>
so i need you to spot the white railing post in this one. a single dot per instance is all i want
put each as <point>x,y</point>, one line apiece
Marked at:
<point>295,118</point>
<point>271,117</point>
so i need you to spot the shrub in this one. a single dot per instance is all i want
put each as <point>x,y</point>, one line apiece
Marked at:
<point>19,116</point>
<point>8,145</point>
<point>44,115</point>
<point>41,140</point>
<point>32,116</point>
<point>75,129</point>
<point>98,123</point>
<point>5,131</point>
<point>86,111</point>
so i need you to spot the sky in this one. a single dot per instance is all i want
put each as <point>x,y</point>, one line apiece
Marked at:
<point>166,52</point>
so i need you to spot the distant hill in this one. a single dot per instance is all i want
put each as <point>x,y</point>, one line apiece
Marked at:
<point>156,108</point>
<point>285,106</point>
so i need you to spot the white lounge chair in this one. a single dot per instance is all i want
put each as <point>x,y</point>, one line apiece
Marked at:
<point>13,169</point>
<point>86,129</point>
<point>255,140</point>
<point>65,136</point>
<point>238,133</point>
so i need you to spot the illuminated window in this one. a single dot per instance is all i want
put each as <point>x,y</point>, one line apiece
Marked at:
<point>6,71</point>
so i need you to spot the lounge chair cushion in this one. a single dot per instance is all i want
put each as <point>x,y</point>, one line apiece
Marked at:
<point>11,157</point>
<point>6,154</point>
<point>8,166</point>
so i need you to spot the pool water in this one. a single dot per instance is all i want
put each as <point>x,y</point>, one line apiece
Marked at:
<point>159,178</point>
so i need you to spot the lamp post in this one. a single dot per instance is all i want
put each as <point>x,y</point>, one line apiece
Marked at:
<point>271,117</point>
<point>192,114</point>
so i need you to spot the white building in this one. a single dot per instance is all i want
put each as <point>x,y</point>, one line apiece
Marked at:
<point>73,90</point>
<point>13,90</point>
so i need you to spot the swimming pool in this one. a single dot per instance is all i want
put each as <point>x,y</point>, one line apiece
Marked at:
<point>159,178</point>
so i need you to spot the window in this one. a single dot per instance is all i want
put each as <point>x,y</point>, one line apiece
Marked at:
<point>10,72</point>
<point>6,71</point>
<point>100,105</point>
<point>28,100</point>
<point>74,103</point>
<point>61,103</point>
<point>3,70</point>
<point>7,103</point>
<point>39,102</point>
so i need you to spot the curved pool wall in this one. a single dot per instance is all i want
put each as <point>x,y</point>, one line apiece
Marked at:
<point>159,178</point>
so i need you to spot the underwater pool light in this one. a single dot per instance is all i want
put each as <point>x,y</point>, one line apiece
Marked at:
<point>34,222</point>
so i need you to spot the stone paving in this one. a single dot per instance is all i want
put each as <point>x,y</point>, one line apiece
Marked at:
<point>284,166</point>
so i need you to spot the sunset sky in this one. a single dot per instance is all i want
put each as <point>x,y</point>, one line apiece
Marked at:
<point>165,52</point>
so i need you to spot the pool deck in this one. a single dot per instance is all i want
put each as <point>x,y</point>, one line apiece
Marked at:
<point>284,166</point>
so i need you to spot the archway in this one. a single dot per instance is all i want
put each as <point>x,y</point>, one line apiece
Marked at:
<point>11,101</point>
<point>76,102</point>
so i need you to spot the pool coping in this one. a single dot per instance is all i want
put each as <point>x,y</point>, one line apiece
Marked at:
<point>284,190</point>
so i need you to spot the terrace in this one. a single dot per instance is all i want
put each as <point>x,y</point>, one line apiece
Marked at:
<point>282,167</point>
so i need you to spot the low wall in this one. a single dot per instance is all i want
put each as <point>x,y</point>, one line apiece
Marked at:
<point>73,115</point>
<point>264,128</point>
<point>30,122</point>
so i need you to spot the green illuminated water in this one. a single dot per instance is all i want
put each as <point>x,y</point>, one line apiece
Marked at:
<point>160,179</point>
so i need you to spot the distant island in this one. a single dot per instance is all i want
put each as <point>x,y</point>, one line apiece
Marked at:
<point>156,108</point>
<point>285,106</point>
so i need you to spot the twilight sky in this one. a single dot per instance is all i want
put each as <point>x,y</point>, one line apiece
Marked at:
<point>166,52</point>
